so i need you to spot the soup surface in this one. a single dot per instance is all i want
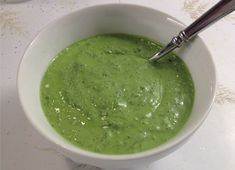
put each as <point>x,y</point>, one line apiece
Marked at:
<point>103,95</point>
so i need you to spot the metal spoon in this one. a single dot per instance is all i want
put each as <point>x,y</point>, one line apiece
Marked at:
<point>218,11</point>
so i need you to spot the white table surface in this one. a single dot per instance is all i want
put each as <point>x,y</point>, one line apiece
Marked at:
<point>22,148</point>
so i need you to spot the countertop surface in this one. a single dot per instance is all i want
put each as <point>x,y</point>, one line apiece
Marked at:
<point>22,148</point>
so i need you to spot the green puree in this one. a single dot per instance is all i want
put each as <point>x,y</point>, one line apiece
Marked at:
<point>103,95</point>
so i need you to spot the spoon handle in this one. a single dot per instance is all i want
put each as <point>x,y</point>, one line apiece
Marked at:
<point>219,10</point>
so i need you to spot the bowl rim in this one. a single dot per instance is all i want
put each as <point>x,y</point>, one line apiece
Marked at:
<point>131,156</point>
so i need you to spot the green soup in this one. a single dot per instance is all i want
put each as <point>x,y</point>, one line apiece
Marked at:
<point>103,95</point>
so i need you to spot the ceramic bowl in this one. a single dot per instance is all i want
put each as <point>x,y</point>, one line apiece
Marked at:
<point>113,18</point>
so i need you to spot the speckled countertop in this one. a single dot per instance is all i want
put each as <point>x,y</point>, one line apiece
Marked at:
<point>22,148</point>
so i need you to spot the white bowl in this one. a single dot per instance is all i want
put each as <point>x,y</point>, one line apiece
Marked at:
<point>110,18</point>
